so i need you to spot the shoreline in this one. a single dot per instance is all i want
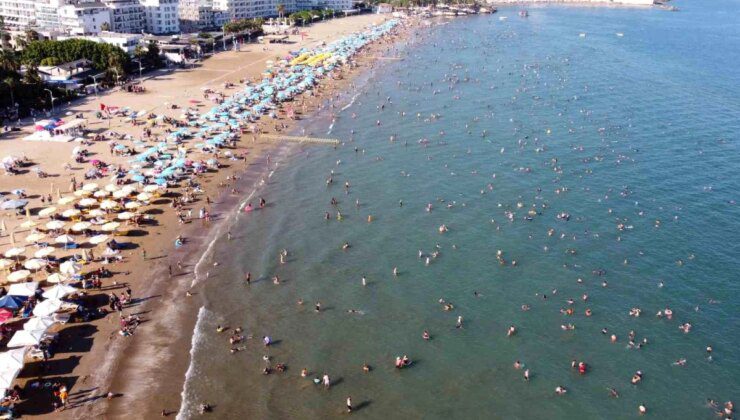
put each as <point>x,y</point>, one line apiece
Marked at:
<point>133,374</point>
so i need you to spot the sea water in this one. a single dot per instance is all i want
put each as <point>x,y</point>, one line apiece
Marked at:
<point>635,137</point>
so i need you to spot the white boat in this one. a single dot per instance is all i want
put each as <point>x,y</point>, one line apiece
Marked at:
<point>502,18</point>
<point>619,34</point>
<point>582,34</point>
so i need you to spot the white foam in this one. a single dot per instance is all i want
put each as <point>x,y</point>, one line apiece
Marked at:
<point>186,409</point>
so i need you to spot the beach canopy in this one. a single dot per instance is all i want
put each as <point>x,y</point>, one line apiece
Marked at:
<point>59,291</point>
<point>19,275</point>
<point>35,237</point>
<point>98,239</point>
<point>11,302</point>
<point>5,263</point>
<point>71,213</point>
<point>55,224</point>
<point>70,267</point>
<point>110,226</point>
<point>8,375</point>
<point>28,224</point>
<point>44,252</point>
<point>23,338</point>
<point>15,251</point>
<point>64,239</point>
<point>23,289</point>
<point>13,204</point>
<point>34,264</point>
<point>38,323</point>
<point>12,359</point>
<point>56,278</point>
<point>66,200</point>
<point>80,226</point>
<point>47,307</point>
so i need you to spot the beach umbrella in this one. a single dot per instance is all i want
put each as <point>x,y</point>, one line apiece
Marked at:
<point>96,213</point>
<point>59,291</point>
<point>108,204</point>
<point>23,338</point>
<point>129,189</point>
<point>28,224</point>
<point>82,193</point>
<point>17,276</point>
<point>44,252</point>
<point>11,302</point>
<point>13,359</point>
<point>35,237</point>
<point>15,251</point>
<point>71,213</point>
<point>5,263</point>
<point>23,289</point>
<point>110,226</point>
<point>56,278</point>
<point>55,224</point>
<point>47,211</point>
<point>35,264</point>
<point>64,239</point>
<point>152,188</point>
<point>132,205</point>
<point>121,194</point>
<point>87,202</point>
<point>47,307</point>
<point>126,215</point>
<point>111,187</point>
<point>66,200</point>
<point>98,239</point>
<point>70,267</point>
<point>90,187</point>
<point>13,204</point>
<point>101,193</point>
<point>5,315</point>
<point>144,196</point>
<point>80,226</point>
<point>36,324</point>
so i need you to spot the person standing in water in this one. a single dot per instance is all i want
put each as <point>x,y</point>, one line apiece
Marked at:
<point>349,404</point>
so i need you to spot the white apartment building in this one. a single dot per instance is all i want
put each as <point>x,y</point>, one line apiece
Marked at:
<point>18,12</point>
<point>198,15</point>
<point>47,14</point>
<point>126,42</point>
<point>127,16</point>
<point>83,18</point>
<point>161,16</point>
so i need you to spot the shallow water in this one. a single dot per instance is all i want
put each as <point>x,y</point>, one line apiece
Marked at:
<point>644,125</point>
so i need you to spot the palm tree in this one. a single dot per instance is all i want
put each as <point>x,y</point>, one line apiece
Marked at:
<point>12,83</point>
<point>8,61</point>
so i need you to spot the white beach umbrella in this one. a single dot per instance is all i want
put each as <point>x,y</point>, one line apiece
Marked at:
<point>14,358</point>
<point>121,194</point>
<point>47,211</point>
<point>87,202</point>
<point>98,239</point>
<point>129,189</point>
<point>14,252</point>
<point>112,187</point>
<point>71,213</point>
<point>17,276</point>
<point>110,226</point>
<point>28,224</point>
<point>35,264</point>
<point>35,237</point>
<point>23,338</point>
<point>23,289</point>
<point>36,324</point>
<point>101,193</point>
<point>47,307</point>
<point>56,278</point>
<point>108,204</point>
<point>144,196</point>
<point>66,200</point>
<point>126,215</point>
<point>90,187</point>
<point>80,226</point>
<point>151,188</point>
<point>7,376</point>
<point>5,263</point>
<point>55,224</point>
<point>131,205</point>
<point>59,291</point>
<point>82,193</point>
<point>44,252</point>
<point>70,267</point>
<point>64,239</point>
<point>96,213</point>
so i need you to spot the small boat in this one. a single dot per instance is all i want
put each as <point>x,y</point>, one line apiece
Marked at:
<point>620,34</point>
<point>582,34</point>
<point>502,18</point>
<point>523,13</point>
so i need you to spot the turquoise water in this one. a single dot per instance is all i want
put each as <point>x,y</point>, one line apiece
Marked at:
<point>639,130</point>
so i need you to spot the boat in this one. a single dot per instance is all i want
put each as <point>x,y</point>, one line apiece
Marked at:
<point>620,34</point>
<point>582,34</point>
<point>502,18</point>
<point>523,13</point>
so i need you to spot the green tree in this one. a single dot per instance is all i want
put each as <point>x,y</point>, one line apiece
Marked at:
<point>50,61</point>
<point>8,61</point>
<point>12,84</point>
<point>31,77</point>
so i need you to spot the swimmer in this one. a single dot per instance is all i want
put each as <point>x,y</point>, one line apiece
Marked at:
<point>425,335</point>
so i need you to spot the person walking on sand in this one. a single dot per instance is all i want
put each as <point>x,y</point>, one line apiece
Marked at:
<point>326,381</point>
<point>349,404</point>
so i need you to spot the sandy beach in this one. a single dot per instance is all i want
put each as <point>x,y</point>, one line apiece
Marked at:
<point>93,359</point>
